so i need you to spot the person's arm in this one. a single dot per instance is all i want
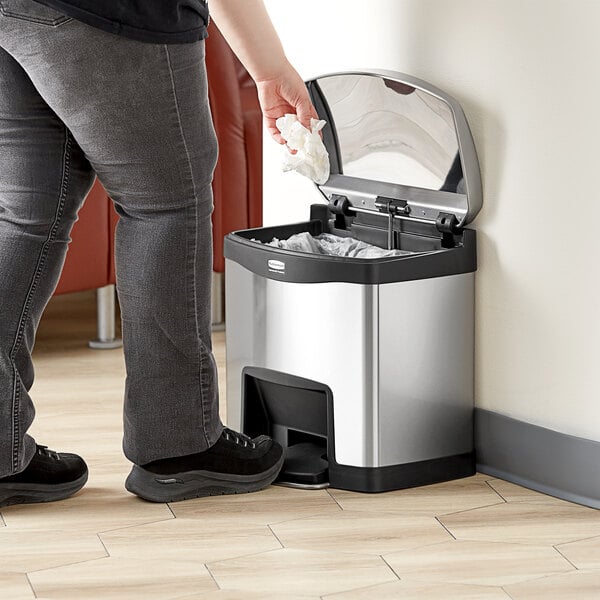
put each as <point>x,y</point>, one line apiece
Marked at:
<point>247,28</point>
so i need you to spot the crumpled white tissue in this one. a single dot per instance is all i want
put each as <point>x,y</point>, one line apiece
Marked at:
<point>311,158</point>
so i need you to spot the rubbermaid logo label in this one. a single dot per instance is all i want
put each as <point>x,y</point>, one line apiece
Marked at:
<point>277,266</point>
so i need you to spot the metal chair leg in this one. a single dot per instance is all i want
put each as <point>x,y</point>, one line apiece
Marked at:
<point>218,302</point>
<point>105,302</point>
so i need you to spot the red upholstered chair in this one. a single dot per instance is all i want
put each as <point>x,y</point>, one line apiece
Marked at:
<point>237,183</point>
<point>237,191</point>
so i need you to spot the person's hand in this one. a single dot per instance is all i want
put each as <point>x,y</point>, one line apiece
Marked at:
<point>284,93</point>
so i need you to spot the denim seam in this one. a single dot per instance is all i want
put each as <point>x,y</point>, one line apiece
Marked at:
<point>28,19</point>
<point>33,19</point>
<point>189,164</point>
<point>32,289</point>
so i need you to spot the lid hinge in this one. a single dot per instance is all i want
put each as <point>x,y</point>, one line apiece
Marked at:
<point>447,225</point>
<point>340,206</point>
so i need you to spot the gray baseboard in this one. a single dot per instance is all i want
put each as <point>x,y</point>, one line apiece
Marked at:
<point>554,463</point>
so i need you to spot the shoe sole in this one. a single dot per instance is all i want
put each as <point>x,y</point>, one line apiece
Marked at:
<point>33,493</point>
<point>196,484</point>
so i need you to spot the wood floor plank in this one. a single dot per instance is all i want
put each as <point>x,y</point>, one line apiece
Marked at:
<point>92,510</point>
<point>194,539</point>
<point>477,563</point>
<point>411,590</point>
<point>525,523</point>
<point>246,595</point>
<point>30,550</point>
<point>361,532</point>
<point>15,586</point>
<point>584,554</point>
<point>579,585</point>
<point>122,579</point>
<point>301,572</point>
<point>272,505</point>
<point>433,500</point>
<point>515,493</point>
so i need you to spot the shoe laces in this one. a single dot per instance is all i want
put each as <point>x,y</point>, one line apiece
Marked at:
<point>45,451</point>
<point>238,438</point>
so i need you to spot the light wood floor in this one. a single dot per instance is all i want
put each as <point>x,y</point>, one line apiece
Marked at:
<point>478,538</point>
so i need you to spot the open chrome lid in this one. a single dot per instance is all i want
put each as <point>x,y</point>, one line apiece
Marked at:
<point>395,138</point>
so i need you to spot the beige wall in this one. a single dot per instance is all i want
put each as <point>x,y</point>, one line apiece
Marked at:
<point>527,73</point>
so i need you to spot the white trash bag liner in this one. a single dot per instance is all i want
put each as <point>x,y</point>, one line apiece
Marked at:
<point>333,245</point>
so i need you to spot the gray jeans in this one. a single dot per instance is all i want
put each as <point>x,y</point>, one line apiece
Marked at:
<point>76,102</point>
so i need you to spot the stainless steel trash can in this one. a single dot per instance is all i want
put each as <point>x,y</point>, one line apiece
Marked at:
<point>363,368</point>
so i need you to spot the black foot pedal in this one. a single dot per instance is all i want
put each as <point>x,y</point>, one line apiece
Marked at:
<point>305,466</point>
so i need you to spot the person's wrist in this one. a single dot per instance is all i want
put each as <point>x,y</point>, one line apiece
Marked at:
<point>272,73</point>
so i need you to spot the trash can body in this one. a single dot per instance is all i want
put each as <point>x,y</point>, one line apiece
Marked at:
<point>361,368</point>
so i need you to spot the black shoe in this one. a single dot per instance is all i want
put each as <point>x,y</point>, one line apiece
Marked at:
<point>236,464</point>
<point>49,476</point>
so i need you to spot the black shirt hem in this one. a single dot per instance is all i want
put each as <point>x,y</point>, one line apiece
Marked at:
<point>141,35</point>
